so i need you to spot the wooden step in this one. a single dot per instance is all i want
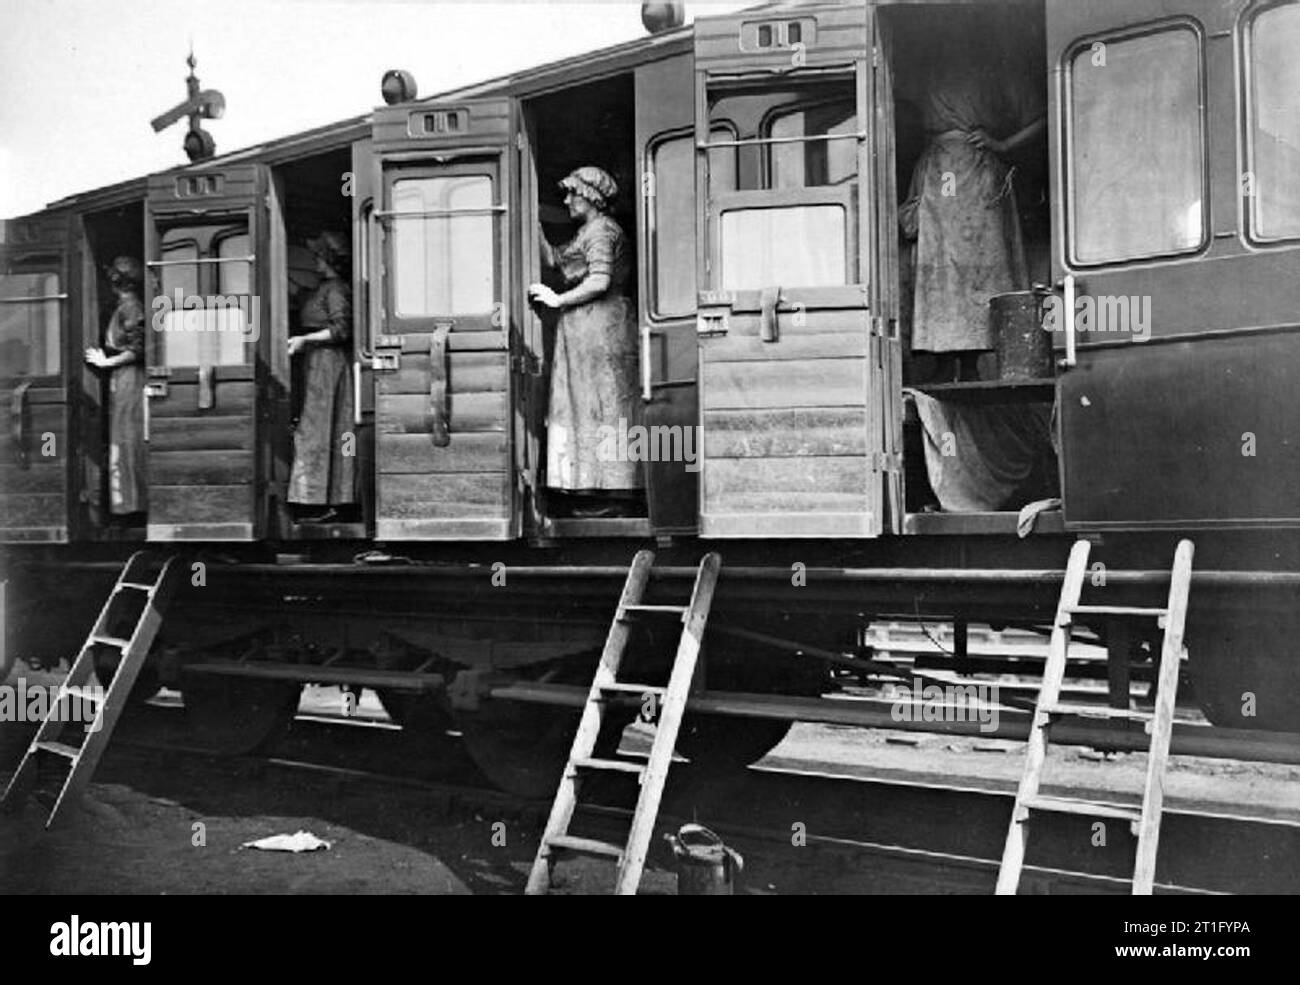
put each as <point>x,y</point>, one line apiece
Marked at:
<point>1085,808</point>
<point>59,749</point>
<point>614,765</point>
<point>1118,610</point>
<point>139,586</point>
<point>121,644</point>
<point>587,846</point>
<point>629,688</point>
<point>85,694</point>
<point>653,610</point>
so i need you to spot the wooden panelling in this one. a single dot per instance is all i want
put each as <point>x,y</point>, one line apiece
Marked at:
<point>42,476</point>
<point>797,383</point>
<point>220,433</point>
<point>200,504</point>
<point>750,348</point>
<point>795,485</point>
<point>228,398</point>
<point>830,36</point>
<point>415,453</point>
<point>417,343</point>
<point>785,433</point>
<point>451,496</point>
<point>467,372</point>
<point>409,413</point>
<point>481,122</point>
<point>32,510</point>
<point>200,468</point>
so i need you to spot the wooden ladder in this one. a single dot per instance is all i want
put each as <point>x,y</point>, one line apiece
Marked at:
<point>83,756</point>
<point>1144,822</point>
<point>671,703</point>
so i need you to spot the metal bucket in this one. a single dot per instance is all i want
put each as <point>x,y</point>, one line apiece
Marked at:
<point>1023,347</point>
<point>705,866</point>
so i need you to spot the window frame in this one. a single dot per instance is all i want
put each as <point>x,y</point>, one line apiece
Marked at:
<point>804,104</point>
<point>649,220</point>
<point>1069,224</point>
<point>205,236</point>
<point>44,266</point>
<point>1246,125</point>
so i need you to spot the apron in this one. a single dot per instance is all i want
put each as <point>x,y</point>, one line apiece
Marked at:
<point>127,489</point>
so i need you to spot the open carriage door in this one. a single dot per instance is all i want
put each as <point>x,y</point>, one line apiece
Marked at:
<point>1176,168</point>
<point>204,230</point>
<point>791,378</point>
<point>441,348</point>
<point>35,366</point>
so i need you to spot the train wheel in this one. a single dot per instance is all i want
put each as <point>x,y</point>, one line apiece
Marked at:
<point>520,748</point>
<point>1243,670</point>
<point>724,743</point>
<point>422,714</point>
<point>146,685</point>
<point>235,716</point>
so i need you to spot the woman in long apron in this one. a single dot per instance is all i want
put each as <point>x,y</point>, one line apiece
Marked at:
<point>122,355</point>
<point>324,443</point>
<point>594,372</point>
<point>961,208</point>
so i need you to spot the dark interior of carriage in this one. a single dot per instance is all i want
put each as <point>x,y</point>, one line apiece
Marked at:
<point>109,234</point>
<point>983,445</point>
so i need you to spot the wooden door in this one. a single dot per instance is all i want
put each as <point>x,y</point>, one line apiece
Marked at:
<point>443,409</point>
<point>35,366</point>
<point>204,231</point>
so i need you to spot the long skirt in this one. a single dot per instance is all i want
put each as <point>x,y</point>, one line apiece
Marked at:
<point>325,441</point>
<point>593,395</point>
<point>969,244</point>
<point>127,488</point>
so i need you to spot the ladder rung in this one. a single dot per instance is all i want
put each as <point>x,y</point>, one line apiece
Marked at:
<point>83,693</point>
<point>634,688</point>
<point>1117,610</point>
<point>1099,711</point>
<point>139,586</point>
<point>1087,808</point>
<point>121,644</point>
<point>588,846</point>
<point>617,765</point>
<point>676,610</point>
<point>59,749</point>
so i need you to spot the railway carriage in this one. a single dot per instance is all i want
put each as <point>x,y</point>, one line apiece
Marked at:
<point>764,156</point>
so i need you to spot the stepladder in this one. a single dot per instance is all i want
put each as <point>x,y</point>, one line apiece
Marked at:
<point>84,709</point>
<point>1143,820</point>
<point>607,685</point>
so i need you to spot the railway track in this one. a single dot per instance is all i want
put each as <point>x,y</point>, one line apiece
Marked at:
<point>802,829</point>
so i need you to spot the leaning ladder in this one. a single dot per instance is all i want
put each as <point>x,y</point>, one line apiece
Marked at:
<point>672,704</point>
<point>152,591</point>
<point>1145,823</point>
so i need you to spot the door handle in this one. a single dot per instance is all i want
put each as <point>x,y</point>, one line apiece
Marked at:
<point>19,417</point>
<point>1070,296</point>
<point>439,409</point>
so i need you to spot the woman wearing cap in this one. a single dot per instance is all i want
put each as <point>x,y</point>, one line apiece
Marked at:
<point>323,474</point>
<point>123,357</point>
<point>594,374</point>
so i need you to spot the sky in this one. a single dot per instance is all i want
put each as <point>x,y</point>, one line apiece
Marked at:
<point>81,79</point>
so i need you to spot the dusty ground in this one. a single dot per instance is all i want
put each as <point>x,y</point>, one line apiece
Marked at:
<point>176,826</point>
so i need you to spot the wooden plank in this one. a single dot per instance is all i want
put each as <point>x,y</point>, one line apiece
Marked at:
<point>811,323</point>
<point>409,413</point>
<point>33,510</point>
<point>200,504</point>
<point>748,348</point>
<point>786,485</point>
<point>469,372</point>
<point>416,453</point>
<point>785,433</point>
<point>227,432</point>
<point>43,476</point>
<point>463,495</point>
<point>40,419</point>
<point>798,383</point>
<point>200,468</point>
<point>415,343</point>
<point>182,401</point>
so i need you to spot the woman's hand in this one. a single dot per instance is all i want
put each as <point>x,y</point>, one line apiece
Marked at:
<point>543,295</point>
<point>95,357</point>
<point>986,141</point>
<point>296,344</point>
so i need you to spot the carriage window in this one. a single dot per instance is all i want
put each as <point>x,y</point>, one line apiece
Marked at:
<point>211,325</point>
<point>443,263</point>
<point>1136,147</point>
<point>673,166</point>
<point>29,324</point>
<point>1272,185</point>
<point>794,246</point>
<point>819,162</point>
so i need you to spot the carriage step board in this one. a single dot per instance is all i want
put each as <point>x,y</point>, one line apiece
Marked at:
<point>83,758</point>
<point>654,773</point>
<point>1144,820</point>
